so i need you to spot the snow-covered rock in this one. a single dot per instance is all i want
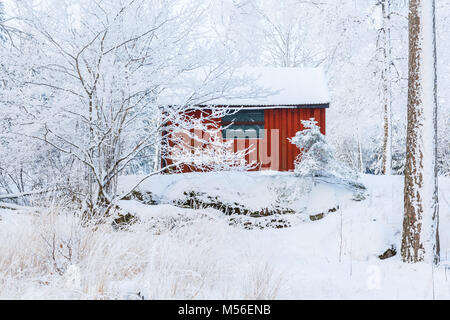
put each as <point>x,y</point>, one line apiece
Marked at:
<point>264,192</point>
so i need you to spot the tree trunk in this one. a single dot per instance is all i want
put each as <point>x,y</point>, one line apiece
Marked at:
<point>420,240</point>
<point>386,166</point>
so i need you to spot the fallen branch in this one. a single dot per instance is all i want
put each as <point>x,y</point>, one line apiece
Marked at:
<point>15,207</point>
<point>25,194</point>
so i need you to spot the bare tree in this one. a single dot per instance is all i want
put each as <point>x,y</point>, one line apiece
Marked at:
<point>420,241</point>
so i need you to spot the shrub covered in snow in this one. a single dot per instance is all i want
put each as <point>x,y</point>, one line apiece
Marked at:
<point>317,156</point>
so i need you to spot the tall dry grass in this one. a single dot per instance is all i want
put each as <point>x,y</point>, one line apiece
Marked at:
<point>58,255</point>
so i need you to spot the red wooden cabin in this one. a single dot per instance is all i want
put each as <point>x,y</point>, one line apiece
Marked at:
<point>266,124</point>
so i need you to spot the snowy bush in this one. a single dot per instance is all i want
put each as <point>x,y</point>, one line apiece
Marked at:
<point>317,157</point>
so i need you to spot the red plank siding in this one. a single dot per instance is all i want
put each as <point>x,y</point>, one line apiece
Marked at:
<point>287,121</point>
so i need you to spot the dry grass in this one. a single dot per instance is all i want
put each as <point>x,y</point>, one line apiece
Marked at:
<point>264,283</point>
<point>58,255</point>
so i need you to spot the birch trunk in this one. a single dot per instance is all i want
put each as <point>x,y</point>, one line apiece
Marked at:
<point>386,166</point>
<point>420,240</point>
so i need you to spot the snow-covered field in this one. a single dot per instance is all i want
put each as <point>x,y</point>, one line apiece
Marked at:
<point>174,252</point>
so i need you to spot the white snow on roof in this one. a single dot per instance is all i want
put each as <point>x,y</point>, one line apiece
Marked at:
<point>289,86</point>
<point>252,86</point>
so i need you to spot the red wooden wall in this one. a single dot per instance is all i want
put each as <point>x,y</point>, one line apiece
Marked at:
<point>274,151</point>
<point>288,122</point>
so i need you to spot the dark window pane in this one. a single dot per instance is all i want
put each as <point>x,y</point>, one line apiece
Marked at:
<point>245,116</point>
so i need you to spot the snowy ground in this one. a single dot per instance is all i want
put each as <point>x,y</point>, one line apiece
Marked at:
<point>200,256</point>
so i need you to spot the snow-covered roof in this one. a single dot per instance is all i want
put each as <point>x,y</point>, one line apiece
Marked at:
<point>288,87</point>
<point>253,87</point>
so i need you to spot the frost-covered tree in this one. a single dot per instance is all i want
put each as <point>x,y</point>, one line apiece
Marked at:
<point>443,75</point>
<point>420,241</point>
<point>316,155</point>
<point>384,43</point>
<point>25,166</point>
<point>98,72</point>
<point>2,19</point>
<point>316,158</point>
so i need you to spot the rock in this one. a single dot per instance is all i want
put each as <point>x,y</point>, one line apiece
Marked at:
<point>359,196</point>
<point>316,217</point>
<point>389,253</point>
<point>197,200</point>
<point>248,223</point>
<point>142,196</point>
<point>123,221</point>
<point>320,216</point>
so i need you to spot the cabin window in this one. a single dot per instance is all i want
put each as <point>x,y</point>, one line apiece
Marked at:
<point>243,124</point>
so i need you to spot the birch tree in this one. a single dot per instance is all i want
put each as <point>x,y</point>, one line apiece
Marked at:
<point>385,43</point>
<point>420,240</point>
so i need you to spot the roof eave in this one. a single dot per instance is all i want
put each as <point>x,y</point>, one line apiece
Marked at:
<point>324,105</point>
